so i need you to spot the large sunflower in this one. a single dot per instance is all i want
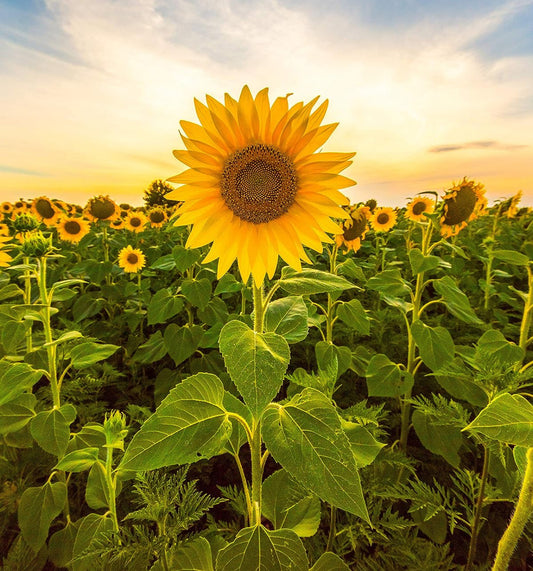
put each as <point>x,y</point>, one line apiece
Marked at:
<point>131,260</point>
<point>354,229</point>
<point>418,208</point>
<point>383,219</point>
<point>255,186</point>
<point>461,204</point>
<point>73,229</point>
<point>45,210</point>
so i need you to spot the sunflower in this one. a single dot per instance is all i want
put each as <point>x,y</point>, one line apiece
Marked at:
<point>6,208</point>
<point>136,221</point>
<point>462,203</point>
<point>383,219</point>
<point>255,188</point>
<point>4,229</point>
<point>131,259</point>
<point>418,207</point>
<point>5,258</point>
<point>45,210</point>
<point>512,208</point>
<point>157,217</point>
<point>125,206</point>
<point>354,229</point>
<point>101,208</point>
<point>73,229</point>
<point>117,224</point>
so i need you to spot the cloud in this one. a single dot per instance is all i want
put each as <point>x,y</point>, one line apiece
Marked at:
<point>491,145</point>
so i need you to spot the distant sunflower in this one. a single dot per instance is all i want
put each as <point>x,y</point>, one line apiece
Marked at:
<point>131,260</point>
<point>135,221</point>
<point>418,207</point>
<point>372,204</point>
<point>256,188</point>
<point>73,229</point>
<point>117,224</point>
<point>6,208</point>
<point>354,229</point>
<point>512,210</point>
<point>157,217</point>
<point>383,219</point>
<point>45,210</point>
<point>462,203</point>
<point>125,206</point>
<point>101,208</point>
<point>4,229</point>
<point>5,258</point>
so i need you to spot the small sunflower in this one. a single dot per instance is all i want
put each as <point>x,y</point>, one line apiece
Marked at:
<point>354,229</point>
<point>117,224</point>
<point>372,204</point>
<point>45,210</point>
<point>4,229</point>
<point>6,208</point>
<point>101,208</point>
<point>73,229</point>
<point>157,217</point>
<point>5,258</point>
<point>512,210</point>
<point>418,207</point>
<point>136,221</point>
<point>131,260</point>
<point>256,188</point>
<point>383,219</point>
<point>462,203</point>
<point>125,206</point>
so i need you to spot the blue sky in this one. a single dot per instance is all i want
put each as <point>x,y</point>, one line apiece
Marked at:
<point>426,92</point>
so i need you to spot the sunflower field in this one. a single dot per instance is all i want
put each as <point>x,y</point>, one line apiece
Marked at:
<point>251,373</point>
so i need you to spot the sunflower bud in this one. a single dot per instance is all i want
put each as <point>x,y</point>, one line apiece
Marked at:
<point>115,429</point>
<point>36,245</point>
<point>25,223</point>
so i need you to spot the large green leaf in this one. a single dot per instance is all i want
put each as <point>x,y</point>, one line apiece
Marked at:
<point>354,315</point>
<point>91,527</point>
<point>305,436</point>
<point>153,350</point>
<point>89,353</point>
<point>192,555</point>
<point>386,379</point>
<point>456,301</point>
<point>442,439</point>
<point>421,263</point>
<point>17,413</point>
<point>457,380</point>
<point>51,429</point>
<point>256,363</point>
<point>182,342</point>
<point>288,506</point>
<point>61,544</point>
<point>511,257</point>
<point>15,379</point>
<point>38,508</point>
<point>287,317</point>
<point>309,281</point>
<point>261,549</point>
<point>197,292</point>
<point>190,423</point>
<point>389,283</point>
<point>185,257</point>
<point>494,346</point>
<point>329,561</point>
<point>364,446</point>
<point>434,343</point>
<point>78,460</point>
<point>163,306</point>
<point>508,418</point>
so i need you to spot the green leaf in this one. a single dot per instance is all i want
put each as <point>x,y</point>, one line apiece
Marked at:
<point>164,263</point>
<point>511,257</point>
<point>91,527</point>
<point>89,353</point>
<point>197,292</point>
<point>51,429</point>
<point>12,336</point>
<point>16,379</point>
<point>163,306</point>
<point>435,344</point>
<point>508,418</point>
<point>182,342</point>
<point>389,283</point>
<point>353,314</point>
<point>386,379</point>
<point>153,350</point>
<point>259,548</point>
<point>185,258</point>
<point>90,436</point>
<point>190,423</point>
<point>364,446</point>
<point>256,363</point>
<point>97,490</point>
<point>309,282</point>
<point>9,291</point>
<point>421,263</point>
<point>456,301</point>
<point>493,345</point>
<point>228,284</point>
<point>38,508</point>
<point>456,379</point>
<point>61,544</point>
<point>87,305</point>
<point>78,460</point>
<point>332,360</point>
<point>238,435</point>
<point>17,413</point>
<point>288,506</point>
<point>287,317</point>
<point>305,436</point>
<point>442,439</point>
<point>329,561</point>
<point>191,555</point>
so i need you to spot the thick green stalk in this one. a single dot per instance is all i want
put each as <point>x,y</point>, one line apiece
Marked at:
<point>477,513</point>
<point>111,483</point>
<point>527,316</point>
<point>259,308</point>
<point>257,474</point>
<point>523,511</point>
<point>27,301</point>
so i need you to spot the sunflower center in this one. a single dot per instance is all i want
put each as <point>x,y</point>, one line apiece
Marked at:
<point>460,207</point>
<point>135,222</point>
<point>72,227</point>
<point>356,230</point>
<point>157,216</point>
<point>132,258</point>
<point>259,183</point>
<point>102,208</point>
<point>44,208</point>
<point>383,218</point>
<point>418,208</point>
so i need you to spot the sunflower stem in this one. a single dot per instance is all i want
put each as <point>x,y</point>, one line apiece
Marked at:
<point>527,316</point>
<point>27,301</point>
<point>259,308</point>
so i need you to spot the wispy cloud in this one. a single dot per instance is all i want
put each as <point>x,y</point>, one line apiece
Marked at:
<point>489,145</point>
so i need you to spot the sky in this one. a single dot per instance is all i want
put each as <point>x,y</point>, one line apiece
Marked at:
<point>425,92</point>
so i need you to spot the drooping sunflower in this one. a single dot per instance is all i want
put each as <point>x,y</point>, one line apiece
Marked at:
<point>157,217</point>
<point>418,207</point>
<point>131,260</point>
<point>117,224</point>
<point>256,188</point>
<point>135,221</point>
<point>101,208</point>
<point>383,219</point>
<point>354,229</point>
<point>4,229</point>
<point>73,229</point>
<point>462,203</point>
<point>6,208</point>
<point>513,205</point>
<point>45,210</point>
<point>5,258</point>
<point>125,206</point>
